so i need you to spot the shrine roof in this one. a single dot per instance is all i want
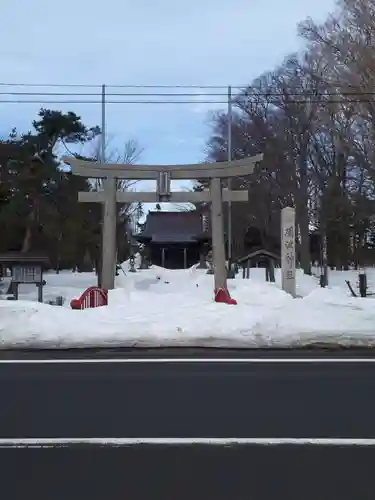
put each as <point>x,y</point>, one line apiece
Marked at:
<point>172,227</point>
<point>260,253</point>
<point>22,258</point>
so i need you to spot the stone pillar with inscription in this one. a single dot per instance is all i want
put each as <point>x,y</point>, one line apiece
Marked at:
<point>288,251</point>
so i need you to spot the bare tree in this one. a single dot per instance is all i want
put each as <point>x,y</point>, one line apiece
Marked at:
<point>314,120</point>
<point>128,213</point>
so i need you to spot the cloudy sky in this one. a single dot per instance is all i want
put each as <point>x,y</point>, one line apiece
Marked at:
<point>143,42</point>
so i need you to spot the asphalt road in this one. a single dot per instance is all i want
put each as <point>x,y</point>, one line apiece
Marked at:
<point>188,399</point>
<point>243,395</point>
<point>193,473</point>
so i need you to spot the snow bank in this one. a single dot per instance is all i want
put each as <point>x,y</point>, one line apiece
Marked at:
<point>160,307</point>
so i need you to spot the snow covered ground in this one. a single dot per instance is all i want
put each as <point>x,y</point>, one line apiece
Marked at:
<point>159,307</point>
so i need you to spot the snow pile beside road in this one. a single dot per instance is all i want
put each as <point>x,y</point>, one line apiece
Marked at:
<point>159,307</point>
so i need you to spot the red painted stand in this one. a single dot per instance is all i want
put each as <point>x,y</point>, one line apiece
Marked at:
<point>222,295</point>
<point>92,297</point>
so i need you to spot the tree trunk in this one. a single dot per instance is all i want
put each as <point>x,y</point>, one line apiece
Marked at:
<point>27,240</point>
<point>26,245</point>
<point>303,223</point>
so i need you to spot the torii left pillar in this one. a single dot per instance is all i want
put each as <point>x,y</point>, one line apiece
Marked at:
<point>218,244</point>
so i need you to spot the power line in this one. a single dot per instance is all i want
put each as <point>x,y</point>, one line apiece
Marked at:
<point>193,98</point>
<point>218,98</point>
<point>139,86</point>
<point>4,84</point>
<point>133,86</point>
<point>77,101</point>
<point>192,94</point>
<point>120,94</point>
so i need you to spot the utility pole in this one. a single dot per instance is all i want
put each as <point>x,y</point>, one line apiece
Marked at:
<point>102,144</point>
<point>229,147</point>
<point>109,243</point>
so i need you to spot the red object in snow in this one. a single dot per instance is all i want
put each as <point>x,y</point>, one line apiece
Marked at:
<point>222,295</point>
<point>92,297</point>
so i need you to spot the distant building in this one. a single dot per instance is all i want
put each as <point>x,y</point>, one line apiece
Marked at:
<point>175,240</point>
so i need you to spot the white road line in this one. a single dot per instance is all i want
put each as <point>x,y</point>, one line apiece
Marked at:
<point>119,442</point>
<point>187,360</point>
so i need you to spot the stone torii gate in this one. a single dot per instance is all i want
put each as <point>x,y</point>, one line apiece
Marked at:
<point>163,174</point>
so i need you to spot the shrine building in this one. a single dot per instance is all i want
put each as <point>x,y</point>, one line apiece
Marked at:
<point>175,240</point>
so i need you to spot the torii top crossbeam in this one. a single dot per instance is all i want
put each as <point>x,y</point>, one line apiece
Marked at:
<point>235,168</point>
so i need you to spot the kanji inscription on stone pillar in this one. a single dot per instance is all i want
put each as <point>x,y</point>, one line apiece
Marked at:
<point>288,251</point>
